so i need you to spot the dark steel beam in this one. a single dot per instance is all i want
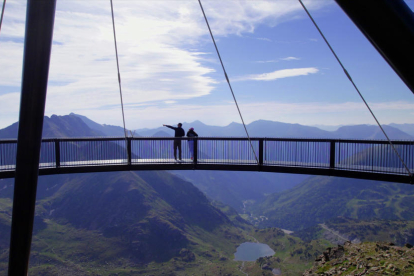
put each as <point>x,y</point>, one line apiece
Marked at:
<point>389,26</point>
<point>40,18</point>
<point>224,167</point>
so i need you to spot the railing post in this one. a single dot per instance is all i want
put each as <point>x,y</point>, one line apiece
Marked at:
<point>332,155</point>
<point>195,151</point>
<point>260,152</point>
<point>129,151</point>
<point>57,153</point>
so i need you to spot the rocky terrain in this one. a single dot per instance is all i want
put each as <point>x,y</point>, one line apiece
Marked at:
<point>341,229</point>
<point>370,258</point>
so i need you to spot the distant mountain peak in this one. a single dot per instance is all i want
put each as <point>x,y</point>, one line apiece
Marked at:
<point>197,122</point>
<point>233,124</point>
<point>161,134</point>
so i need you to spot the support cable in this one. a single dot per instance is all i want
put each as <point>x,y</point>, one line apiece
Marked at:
<point>119,75</point>
<point>228,81</point>
<point>2,13</point>
<point>356,88</point>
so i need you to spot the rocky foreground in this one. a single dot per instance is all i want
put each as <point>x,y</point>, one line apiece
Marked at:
<point>368,258</point>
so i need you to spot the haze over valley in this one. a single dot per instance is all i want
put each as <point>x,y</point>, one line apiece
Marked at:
<point>192,222</point>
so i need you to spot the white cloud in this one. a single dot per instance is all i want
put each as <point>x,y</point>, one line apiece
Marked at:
<point>10,102</point>
<point>161,62</point>
<point>11,63</point>
<point>159,46</point>
<point>9,108</point>
<point>279,74</point>
<point>290,58</point>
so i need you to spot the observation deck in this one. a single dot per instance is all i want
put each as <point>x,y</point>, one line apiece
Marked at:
<point>364,159</point>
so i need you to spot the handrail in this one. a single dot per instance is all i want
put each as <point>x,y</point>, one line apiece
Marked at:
<point>363,141</point>
<point>370,159</point>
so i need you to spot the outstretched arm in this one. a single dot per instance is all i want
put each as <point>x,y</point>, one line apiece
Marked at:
<point>170,126</point>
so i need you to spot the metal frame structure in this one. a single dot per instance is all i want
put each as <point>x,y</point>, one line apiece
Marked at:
<point>40,19</point>
<point>388,24</point>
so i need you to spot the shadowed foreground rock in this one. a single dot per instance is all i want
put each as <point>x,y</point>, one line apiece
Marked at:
<point>368,258</point>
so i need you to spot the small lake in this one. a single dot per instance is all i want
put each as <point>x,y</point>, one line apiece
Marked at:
<point>250,251</point>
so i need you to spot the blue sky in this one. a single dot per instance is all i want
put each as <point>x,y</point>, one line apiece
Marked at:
<point>278,64</point>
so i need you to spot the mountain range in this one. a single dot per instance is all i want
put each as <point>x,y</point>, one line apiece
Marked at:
<point>75,125</point>
<point>158,222</point>
<point>56,127</point>
<point>263,128</point>
<point>407,128</point>
<point>234,188</point>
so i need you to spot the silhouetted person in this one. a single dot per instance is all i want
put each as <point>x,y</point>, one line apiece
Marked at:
<point>179,132</point>
<point>190,134</point>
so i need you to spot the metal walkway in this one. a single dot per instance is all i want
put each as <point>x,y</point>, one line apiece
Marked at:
<point>365,159</point>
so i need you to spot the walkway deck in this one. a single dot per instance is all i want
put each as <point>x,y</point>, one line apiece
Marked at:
<point>365,159</point>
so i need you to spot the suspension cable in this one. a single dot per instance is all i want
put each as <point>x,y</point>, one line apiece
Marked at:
<point>228,82</point>
<point>119,75</point>
<point>2,13</point>
<point>356,88</point>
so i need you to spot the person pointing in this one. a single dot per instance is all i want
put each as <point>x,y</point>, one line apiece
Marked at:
<point>179,132</point>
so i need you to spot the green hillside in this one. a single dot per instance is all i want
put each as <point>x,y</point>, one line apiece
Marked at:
<point>339,230</point>
<point>156,214</point>
<point>292,255</point>
<point>143,223</point>
<point>319,199</point>
<point>136,218</point>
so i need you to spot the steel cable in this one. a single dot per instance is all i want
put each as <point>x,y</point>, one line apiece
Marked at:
<point>356,88</point>
<point>228,82</point>
<point>2,13</point>
<point>117,65</point>
<point>129,154</point>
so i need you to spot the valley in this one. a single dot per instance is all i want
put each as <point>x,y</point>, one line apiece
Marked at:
<point>192,222</point>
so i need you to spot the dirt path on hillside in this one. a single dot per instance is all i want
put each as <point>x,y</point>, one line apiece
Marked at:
<point>241,270</point>
<point>255,240</point>
<point>333,232</point>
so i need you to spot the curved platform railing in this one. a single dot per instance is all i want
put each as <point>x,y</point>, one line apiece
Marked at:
<point>365,159</point>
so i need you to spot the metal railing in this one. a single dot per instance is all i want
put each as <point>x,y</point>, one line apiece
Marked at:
<point>370,156</point>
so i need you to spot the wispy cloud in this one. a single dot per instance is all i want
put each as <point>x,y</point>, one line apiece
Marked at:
<point>159,44</point>
<point>277,60</point>
<point>279,74</point>
<point>290,58</point>
<point>267,61</point>
<point>264,39</point>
